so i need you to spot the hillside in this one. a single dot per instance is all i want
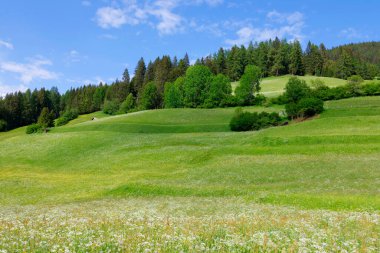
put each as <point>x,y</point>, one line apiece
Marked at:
<point>365,52</point>
<point>274,86</point>
<point>165,174</point>
<point>111,149</point>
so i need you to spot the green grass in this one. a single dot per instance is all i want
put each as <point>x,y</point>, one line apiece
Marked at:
<point>274,86</point>
<point>179,180</point>
<point>329,162</point>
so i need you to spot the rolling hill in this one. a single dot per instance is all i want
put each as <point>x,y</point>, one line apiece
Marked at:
<point>185,168</point>
<point>274,86</point>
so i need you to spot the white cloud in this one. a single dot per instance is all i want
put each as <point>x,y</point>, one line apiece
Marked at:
<point>159,14</point>
<point>74,57</point>
<point>6,44</point>
<point>6,89</point>
<point>27,72</point>
<point>352,33</point>
<point>95,80</point>
<point>109,17</point>
<point>280,25</point>
<point>169,22</point>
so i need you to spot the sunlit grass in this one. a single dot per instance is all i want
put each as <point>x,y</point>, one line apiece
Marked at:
<point>180,180</point>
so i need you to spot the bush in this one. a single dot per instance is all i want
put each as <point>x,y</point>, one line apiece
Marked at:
<point>46,119</point>
<point>128,104</point>
<point>296,89</point>
<point>111,107</point>
<point>259,99</point>
<point>246,121</point>
<point>3,125</point>
<point>34,128</point>
<point>371,89</point>
<point>242,122</point>
<point>280,100</point>
<point>308,107</point>
<point>150,98</point>
<point>66,117</point>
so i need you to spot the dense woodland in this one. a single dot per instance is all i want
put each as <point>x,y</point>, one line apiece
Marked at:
<point>171,82</point>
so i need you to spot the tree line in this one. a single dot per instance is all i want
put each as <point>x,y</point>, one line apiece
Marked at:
<point>171,82</point>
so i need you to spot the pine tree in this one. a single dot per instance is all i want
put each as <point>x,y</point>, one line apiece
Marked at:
<point>235,64</point>
<point>296,66</point>
<point>149,74</point>
<point>46,119</point>
<point>220,62</point>
<point>139,75</point>
<point>126,78</point>
<point>162,72</point>
<point>345,65</point>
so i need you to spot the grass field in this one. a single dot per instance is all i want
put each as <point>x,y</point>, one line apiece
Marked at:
<point>179,180</point>
<point>274,86</point>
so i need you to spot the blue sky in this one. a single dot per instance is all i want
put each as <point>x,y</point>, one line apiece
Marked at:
<point>74,42</point>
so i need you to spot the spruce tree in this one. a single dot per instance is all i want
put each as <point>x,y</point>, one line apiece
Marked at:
<point>139,75</point>
<point>220,62</point>
<point>296,66</point>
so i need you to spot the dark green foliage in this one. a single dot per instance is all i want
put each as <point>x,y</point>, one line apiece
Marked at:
<point>313,60</point>
<point>128,104</point>
<point>150,98</point>
<point>249,85</point>
<point>247,121</point>
<point>308,107</point>
<point>162,73</point>
<point>66,117</point>
<point>46,119</point>
<point>197,82</point>
<point>296,65</point>
<point>34,128</point>
<point>3,125</point>
<point>138,79</point>
<point>111,107</point>
<point>345,66</point>
<point>301,100</point>
<point>371,89</point>
<point>235,63</point>
<point>296,89</point>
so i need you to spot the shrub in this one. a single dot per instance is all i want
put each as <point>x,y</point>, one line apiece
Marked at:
<point>3,125</point>
<point>111,107</point>
<point>371,89</point>
<point>308,107</point>
<point>128,104</point>
<point>259,99</point>
<point>46,119</point>
<point>66,117</point>
<point>280,100</point>
<point>34,128</point>
<point>296,89</point>
<point>291,110</point>
<point>246,121</point>
<point>150,98</point>
<point>242,122</point>
<point>249,85</point>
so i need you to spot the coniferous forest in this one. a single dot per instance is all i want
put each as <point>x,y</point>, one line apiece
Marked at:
<point>169,82</point>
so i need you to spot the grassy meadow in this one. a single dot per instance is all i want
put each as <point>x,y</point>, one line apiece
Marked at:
<point>275,85</point>
<point>179,180</point>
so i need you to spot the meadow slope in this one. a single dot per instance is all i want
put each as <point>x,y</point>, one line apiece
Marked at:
<point>275,85</point>
<point>182,173</point>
